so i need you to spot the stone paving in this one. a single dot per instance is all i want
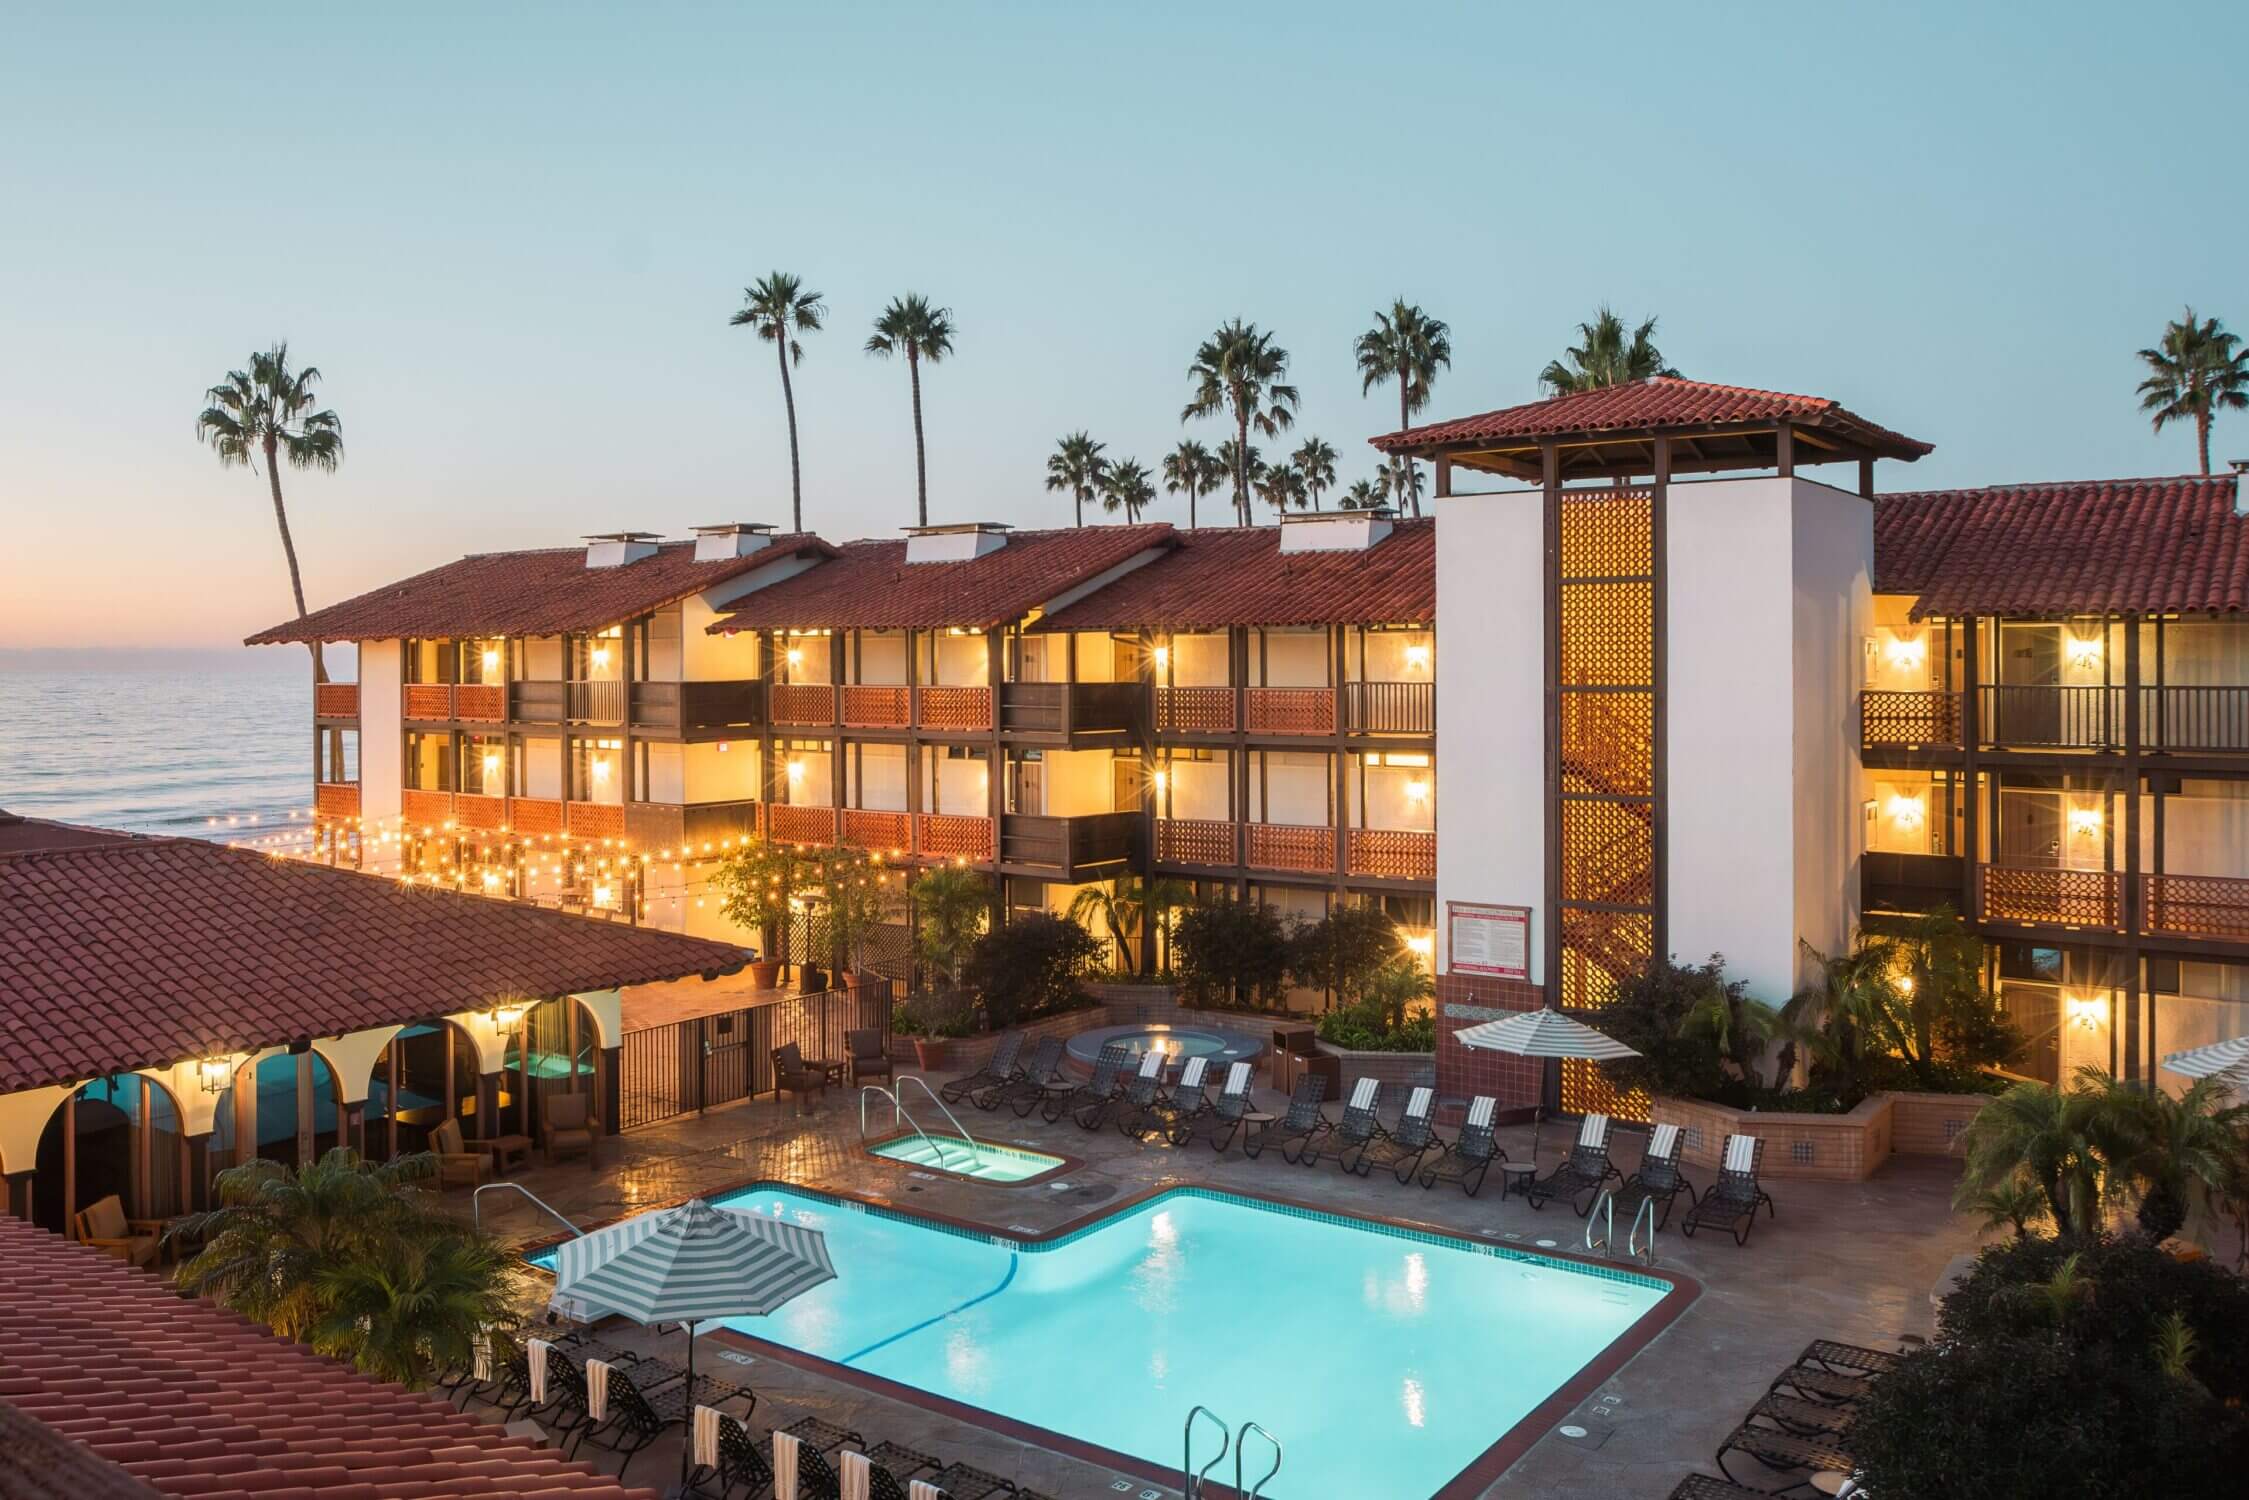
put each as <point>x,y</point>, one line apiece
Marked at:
<point>1853,1261</point>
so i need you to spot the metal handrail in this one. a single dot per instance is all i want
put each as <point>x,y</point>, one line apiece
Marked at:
<point>897,1113</point>
<point>1241,1441</point>
<point>1632,1246</point>
<point>1605,1209</point>
<point>1191,1479</point>
<point>476,1206</point>
<point>922,1083</point>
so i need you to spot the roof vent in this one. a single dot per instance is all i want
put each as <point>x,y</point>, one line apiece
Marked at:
<point>1334,530</point>
<point>614,549</point>
<point>732,539</point>
<point>962,543</point>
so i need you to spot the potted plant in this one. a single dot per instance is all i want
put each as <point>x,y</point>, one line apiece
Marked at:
<point>857,896</point>
<point>760,887</point>
<point>950,908</point>
<point>931,1019</point>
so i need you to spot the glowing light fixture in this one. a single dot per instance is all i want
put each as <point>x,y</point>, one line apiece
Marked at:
<point>796,770</point>
<point>508,1014</point>
<point>1417,658</point>
<point>2084,651</point>
<point>212,1073</point>
<point>1163,656</point>
<point>1905,984</point>
<point>795,657</point>
<point>1421,945</point>
<point>491,660</point>
<point>600,767</point>
<point>2086,1011</point>
<point>601,656</point>
<point>1905,810</point>
<point>1417,790</point>
<point>604,895</point>
<point>2085,822</point>
<point>1906,651</point>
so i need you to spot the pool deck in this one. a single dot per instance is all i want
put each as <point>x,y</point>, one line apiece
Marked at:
<point>1852,1261</point>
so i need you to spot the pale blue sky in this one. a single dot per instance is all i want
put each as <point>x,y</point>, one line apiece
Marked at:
<point>512,235</point>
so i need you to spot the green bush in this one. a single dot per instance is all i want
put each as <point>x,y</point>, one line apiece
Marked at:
<point>1033,965</point>
<point>1366,1027</point>
<point>1230,953</point>
<point>1344,951</point>
<point>935,1013</point>
<point>1650,1015</point>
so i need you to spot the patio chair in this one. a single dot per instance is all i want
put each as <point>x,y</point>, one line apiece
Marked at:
<point>1181,1102</point>
<point>888,1466</point>
<point>1734,1198</point>
<point>1470,1156</point>
<point>1811,1383</point>
<point>1579,1176</point>
<point>967,1482</point>
<point>564,1411</point>
<point>869,1057</point>
<point>1141,1091</point>
<point>998,1071</point>
<point>1784,1452</point>
<point>104,1225</point>
<point>457,1164</point>
<point>567,1122</point>
<point>1703,1487</point>
<point>1222,1121</point>
<point>1810,1419</point>
<point>1847,1359</point>
<point>1064,1098</point>
<point>798,1077</point>
<point>1297,1130</point>
<point>742,1464</point>
<point>1658,1177</point>
<point>637,1418</point>
<point>1405,1144</point>
<point>1361,1126</point>
<point>1026,1091</point>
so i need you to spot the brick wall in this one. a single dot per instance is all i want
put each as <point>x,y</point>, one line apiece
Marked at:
<point>1928,1124</point>
<point>1833,1148</point>
<point>1464,1001</point>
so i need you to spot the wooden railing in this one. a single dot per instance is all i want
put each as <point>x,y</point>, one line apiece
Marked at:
<point>335,700</point>
<point>1195,710</point>
<point>1270,710</point>
<point>953,708</point>
<point>877,706</point>
<point>789,824</point>
<point>594,820</point>
<point>336,799</point>
<point>536,702</point>
<point>2058,718</point>
<point>471,810</point>
<point>2198,906</point>
<point>533,816</point>
<point>427,700</point>
<point>1067,708</point>
<point>1089,844</point>
<point>425,809</point>
<point>883,832</point>
<point>1289,846</point>
<point>2048,897</point>
<point>2194,718</point>
<point>949,836</point>
<point>1392,854</point>
<point>1390,707</point>
<point>1197,841</point>
<point>668,829</point>
<point>811,703</point>
<point>1889,718</point>
<point>480,702</point>
<point>595,701</point>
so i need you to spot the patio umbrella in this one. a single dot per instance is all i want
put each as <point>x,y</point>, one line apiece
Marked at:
<point>689,1263</point>
<point>2218,1057</point>
<point>1542,1033</point>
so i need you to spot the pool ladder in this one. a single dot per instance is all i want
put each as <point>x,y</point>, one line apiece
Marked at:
<point>1192,1480</point>
<point>899,1112</point>
<point>1604,1213</point>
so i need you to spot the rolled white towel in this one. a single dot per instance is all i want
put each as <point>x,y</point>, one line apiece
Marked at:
<point>922,1489</point>
<point>597,1390</point>
<point>858,1477</point>
<point>705,1435</point>
<point>785,1466</point>
<point>480,1365</point>
<point>536,1350</point>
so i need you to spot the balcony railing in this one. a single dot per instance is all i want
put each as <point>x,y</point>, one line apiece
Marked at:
<point>883,832</point>
<point>1088,845</point>
<point>953,709</point>
<point>2047,897</point>
<point>699,828</point>
<point>1392,854</point>
<point>425,809</point>
<point>335,700</point>
<point>2197,906</point>
<point>532,817</point>
<point>789,824</point>
<point>480,702</point>
<point>427,701</point>
<point>472,810</point>
<point>949,836</point>
<point>806,703</point>
<point>2051,718</point>
<point>336,799</point>
<point>1289,846</point>
<point>1915,883</point>
<point>1069,708</point>
<point>536,702</point>
<point>2194,718</point>
<point>1895,719</point>
<point>1390,707</point>
<point>595,701</point>
<point>692,706</point>
<point>877,706</point>
<point>1270,710</point>
<point>1195,710</point>
<point>594,820</point>
<point>1197,841</point>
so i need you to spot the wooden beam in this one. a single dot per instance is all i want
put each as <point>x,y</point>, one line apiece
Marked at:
<point>1784,450</point>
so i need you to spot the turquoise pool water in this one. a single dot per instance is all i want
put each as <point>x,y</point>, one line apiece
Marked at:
<point>1386,1361</point>
<point>980,1160</point>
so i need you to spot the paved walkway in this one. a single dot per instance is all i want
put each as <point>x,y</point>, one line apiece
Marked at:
<point>1853,1261</point>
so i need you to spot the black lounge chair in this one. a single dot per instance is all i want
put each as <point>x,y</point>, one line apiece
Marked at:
<point>1361,1126</point>
<point>1222,1120</point>
<point>986,1082</point>
<point>1181,1102</point>
<point>1811,1383</point>
<point>1703,1487</point>
<point>1027,1089</point>
<point>742,1464</point>
<point>1658,1177</point>
<point>1403,1146</point>
<point>889,1466</point>
<point>1297,1130</point>
<point>1733,1200</point>
<point>1065,1098</point>
<point>1469,1157</point>
<point>1784,1452</point>
<point>1848,1359</point>
<point>1142,1088</point>
<point>1580,1175</point>
<point>1810,1419</point>
<point>967,1482</point>
<point>637,1418</point>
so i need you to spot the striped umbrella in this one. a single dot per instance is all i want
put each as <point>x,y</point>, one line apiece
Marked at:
<point>2218,1057</point>
<point>1542,1033</point>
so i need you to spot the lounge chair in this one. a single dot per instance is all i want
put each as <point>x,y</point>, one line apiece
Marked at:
<point>1405,1144</point>
<point>1810,1419</point>
<point>1658,1178</point>
<point>1703,1487</point>
<point>1139,1095</point>
<point>1361,1126</point>
<point>1784,1452</point>
<point>742,1464</point>
<point>1064,1098</point>
<point>1468,1158</point>
<point>1222,1121</point>
<point>798,1076</point>
<point>1734,1198</point>
<point>1027,1089</point>
<point>888,1466</point>
<point>458,1165</point>
<point>103,1224</point>
<point>1811,1383</point>
<point>637,1418</point>
<point>998,1071</point>
<point>568,1124</point>
<point>1580,1175</point>
<point>1847,1359</point>
<point>869,1057</point>
<point>967,1482</point>
<point>1299,1128</point>
<point>1182,1102</point>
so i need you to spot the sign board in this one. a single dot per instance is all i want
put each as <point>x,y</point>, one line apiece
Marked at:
<point>1491,941</point>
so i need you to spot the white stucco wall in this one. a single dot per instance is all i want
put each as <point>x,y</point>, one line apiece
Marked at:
<point>381,676</point>
<point>1834,613</point>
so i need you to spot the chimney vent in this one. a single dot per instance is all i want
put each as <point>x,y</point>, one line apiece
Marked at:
<point>1334,530</point>
<point>730,539</point>
<point>614,549</point>
<point>962,543</point>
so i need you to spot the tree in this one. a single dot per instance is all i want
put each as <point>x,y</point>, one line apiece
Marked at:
<point>2167,1145</point>
<point>1344,951</point>
<point>1364,494</point>
<point>1240,460</point>
<point>266,412</point>
<point>1605,356</point>
<point>1229,952</point>
<point>1121,905</point>
<point>780,307</point>
<point>762,886</point>
<point>924,334</point>
<point>1649,1013</point>
<point>413,1304</point>
<point>1126,486</point>
<point>2043,1132</point>
<point>857,895</point>
<point>1280,487</point>
<point>2195,371</point>
<point>1315,460</point>
<point>1076,465</point>
<point>1029,965</point>
<point>1408,346</point>
<point>952,904</point>
<point>1240,371</point>
<point>1194,471</point>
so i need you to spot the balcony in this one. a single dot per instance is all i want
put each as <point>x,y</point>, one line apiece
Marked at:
<point>953,710</point>
<point>425,809</point>
<point>450,702</point>
<point>786,823</point>
<point>1910,883</point>
<point>1270,710</point>
<point>427,702</point>
<point>1390,708</point>
<point>696,828</point>
<point>1195,710</point>
<point>877,706</point>
<point>1391,854</point>
<point>1064,710</point>
<point>949,836</point>
<point>2197,906</point>
<point>811,704</point>
<point>1197,841</point>
<point>335,700</point>
<point>2194,719</point>
<point>532,817</point>
<point>598,701</point>
<point>879,831</point>
<point>1309,849</point>
<point>2051,718</point>
<point>479,812</point>
<point>1087,847</point>
<point>697,707</point>
<point>536,702</point>
<point>2042,896</point>
<point>336,799</point>
<point>1893,720</point>
<point>594,820</point>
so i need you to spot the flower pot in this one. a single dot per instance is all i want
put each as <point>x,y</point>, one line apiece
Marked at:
<point>765,973</point>
<point>929,1052</point>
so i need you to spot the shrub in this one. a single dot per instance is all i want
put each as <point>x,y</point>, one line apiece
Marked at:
<point>1367,1027</point>
<point>1031,965</point>
<point>1230,952</point>
<point>756,886</point>
<point>951,905</point>
<point>1649,1015</point>
<point>935,1013</point>
<point>1344,951</point>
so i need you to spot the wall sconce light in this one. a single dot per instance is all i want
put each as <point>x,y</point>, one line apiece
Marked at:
<point>491,763</point>
<point>2084,651</point>
<point>1162,779</point>
<point>601,656</point>
<point>1163,657</point>
<point>1417,790</point>
<point>491,660</point>
<point>795,657</point>
<point>2084,822</point>
<point>604,895</point>
<point>491,880</point>
<point>1905,810</point>
<point>213,1073</point>
<point>1421,945</point>
<point>508,1014</point>
<point>1417,658</point>
<point>796,770</point>
<point>2086,1011</point>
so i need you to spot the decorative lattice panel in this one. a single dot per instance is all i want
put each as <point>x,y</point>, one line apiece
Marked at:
<point>1606,640</point>
<point>1586,1090</point>
<point>949,836</point>
<point>1608,744</point>
<point>955,707</point>
<point>1608,854</point>
<point>1194,841</point>
<point>1393,854</point>
<point>1608,534</point>
<point>1918,718</point>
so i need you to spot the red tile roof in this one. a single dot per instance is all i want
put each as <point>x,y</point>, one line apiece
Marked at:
<point>871,586</point>
<point>544,592</point>
<point>153,951</point>
<point>1665,402</point>
<point>1231,576</point>
<point>194,1400</point>
<point>2126,546</point>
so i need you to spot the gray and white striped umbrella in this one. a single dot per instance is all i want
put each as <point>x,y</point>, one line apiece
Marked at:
<point>2219,1057</point>
<point>1543,1033</point>
<point>689,1263</point>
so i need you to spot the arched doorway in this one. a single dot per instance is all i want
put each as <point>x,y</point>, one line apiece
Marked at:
<point>424,1078</point>
<point>557,1050</point>
<point>117,1135</point>
<point>285,1108</point>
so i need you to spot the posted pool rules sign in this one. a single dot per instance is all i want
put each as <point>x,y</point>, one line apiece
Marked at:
<point>1492,941</point>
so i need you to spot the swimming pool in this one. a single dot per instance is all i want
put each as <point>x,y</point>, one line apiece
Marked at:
<point>1391,1361</point>
<point>979,1161</point>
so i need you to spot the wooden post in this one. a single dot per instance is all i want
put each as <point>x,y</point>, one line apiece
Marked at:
<point>70,1166</point>
<point>1784,449</point>
<point>1866,479</point>
<point>1443,487</point>
<point>1659,864</point>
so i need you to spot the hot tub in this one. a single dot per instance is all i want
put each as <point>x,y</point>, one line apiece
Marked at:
<point>1220,1047</point>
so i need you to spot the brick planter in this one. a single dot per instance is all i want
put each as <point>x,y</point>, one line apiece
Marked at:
<point>1832,1148</point>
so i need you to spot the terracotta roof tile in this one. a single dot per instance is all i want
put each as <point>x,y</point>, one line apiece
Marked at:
<point>1663,402</point>
<point>543,592</point>
<point>1223,577</point>
<point>152,951</point>
<point>2125,546</point>
<point>871,586</point>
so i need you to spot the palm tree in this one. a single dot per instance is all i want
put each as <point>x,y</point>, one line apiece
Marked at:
<point>1315,460</point>
<point>1241,371</point>
<point>1408,346</point>
<point>1605,356</point>
<point>411,1305</point>
<point>951,904</point>
<point>266,412</point>
<point>2196,370</point>
<point>1280,487</point>
<point>780,307</point>
<point>1237,458</point>
<point>2046,1133</point>
<point>1076,465</point>
<point>1365,494</point>
<point>1192,470</point>
<point>924,334</point>
<point>1123,902</point>
<point>1127,486</point>
<point>2165,1144</point>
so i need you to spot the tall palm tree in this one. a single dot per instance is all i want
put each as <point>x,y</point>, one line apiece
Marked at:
<point>1282,486</point>
<point>1365,494</point>
<point>1192,470</point>
<point>2197,370</point>
<point>1127,486</point>
<point>1234,458</point>
<point>266,412</point>
<point>2043,1132</point>
<point>1408,346</point>
<point>1240,371</point>
<point>1605,356</point>
<point>780,307</point>
<point>1122,903</point>
<point>1076,465</point>
<point>2167,1145</point>
<point>1315,460</point>
<point>924,334</point>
